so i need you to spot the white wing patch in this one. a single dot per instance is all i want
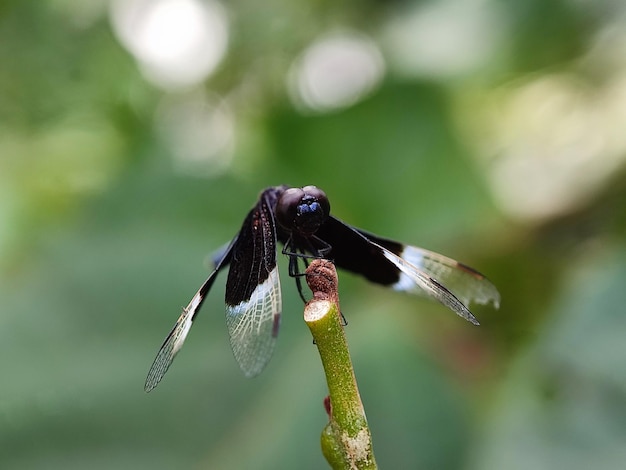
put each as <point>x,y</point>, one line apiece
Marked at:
<point>466,284</point>
<point>253,325</point>
<point>415,280</point>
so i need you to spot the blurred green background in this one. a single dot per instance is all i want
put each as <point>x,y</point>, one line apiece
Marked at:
<point>134,137</point>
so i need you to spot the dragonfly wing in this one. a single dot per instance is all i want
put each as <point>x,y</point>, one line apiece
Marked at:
<point>467,284</point>
<point>407,268</point>
<point>176,337</point>
<point>253,297</point>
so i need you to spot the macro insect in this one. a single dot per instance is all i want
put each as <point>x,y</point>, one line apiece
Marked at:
<point>300,219</point>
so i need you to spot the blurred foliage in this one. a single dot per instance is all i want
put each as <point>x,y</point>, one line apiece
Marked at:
<point>103,237</point>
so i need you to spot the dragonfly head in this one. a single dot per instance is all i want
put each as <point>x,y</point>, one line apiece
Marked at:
<point>302,210</point>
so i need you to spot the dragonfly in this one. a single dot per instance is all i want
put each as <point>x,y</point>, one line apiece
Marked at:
<point>300,220</point>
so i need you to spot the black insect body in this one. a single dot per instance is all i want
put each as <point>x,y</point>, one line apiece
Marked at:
<point>300,219</point>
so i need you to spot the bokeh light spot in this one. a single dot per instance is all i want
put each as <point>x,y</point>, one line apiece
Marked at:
<point>199,132</point>
<point>177,43</point>
<point>443,40</point>
<point>335,72</point>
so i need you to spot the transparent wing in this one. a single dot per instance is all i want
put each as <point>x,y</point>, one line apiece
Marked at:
<point>170,347</point>
<point>407,268</point>
<point>176,337</point>
<point>413,278</point>
<point>253,325</point>
<point>467,284</point>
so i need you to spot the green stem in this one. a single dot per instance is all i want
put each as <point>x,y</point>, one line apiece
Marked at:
<point>346,439</point>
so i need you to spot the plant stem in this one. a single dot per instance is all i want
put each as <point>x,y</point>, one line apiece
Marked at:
<point>346,439</point>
